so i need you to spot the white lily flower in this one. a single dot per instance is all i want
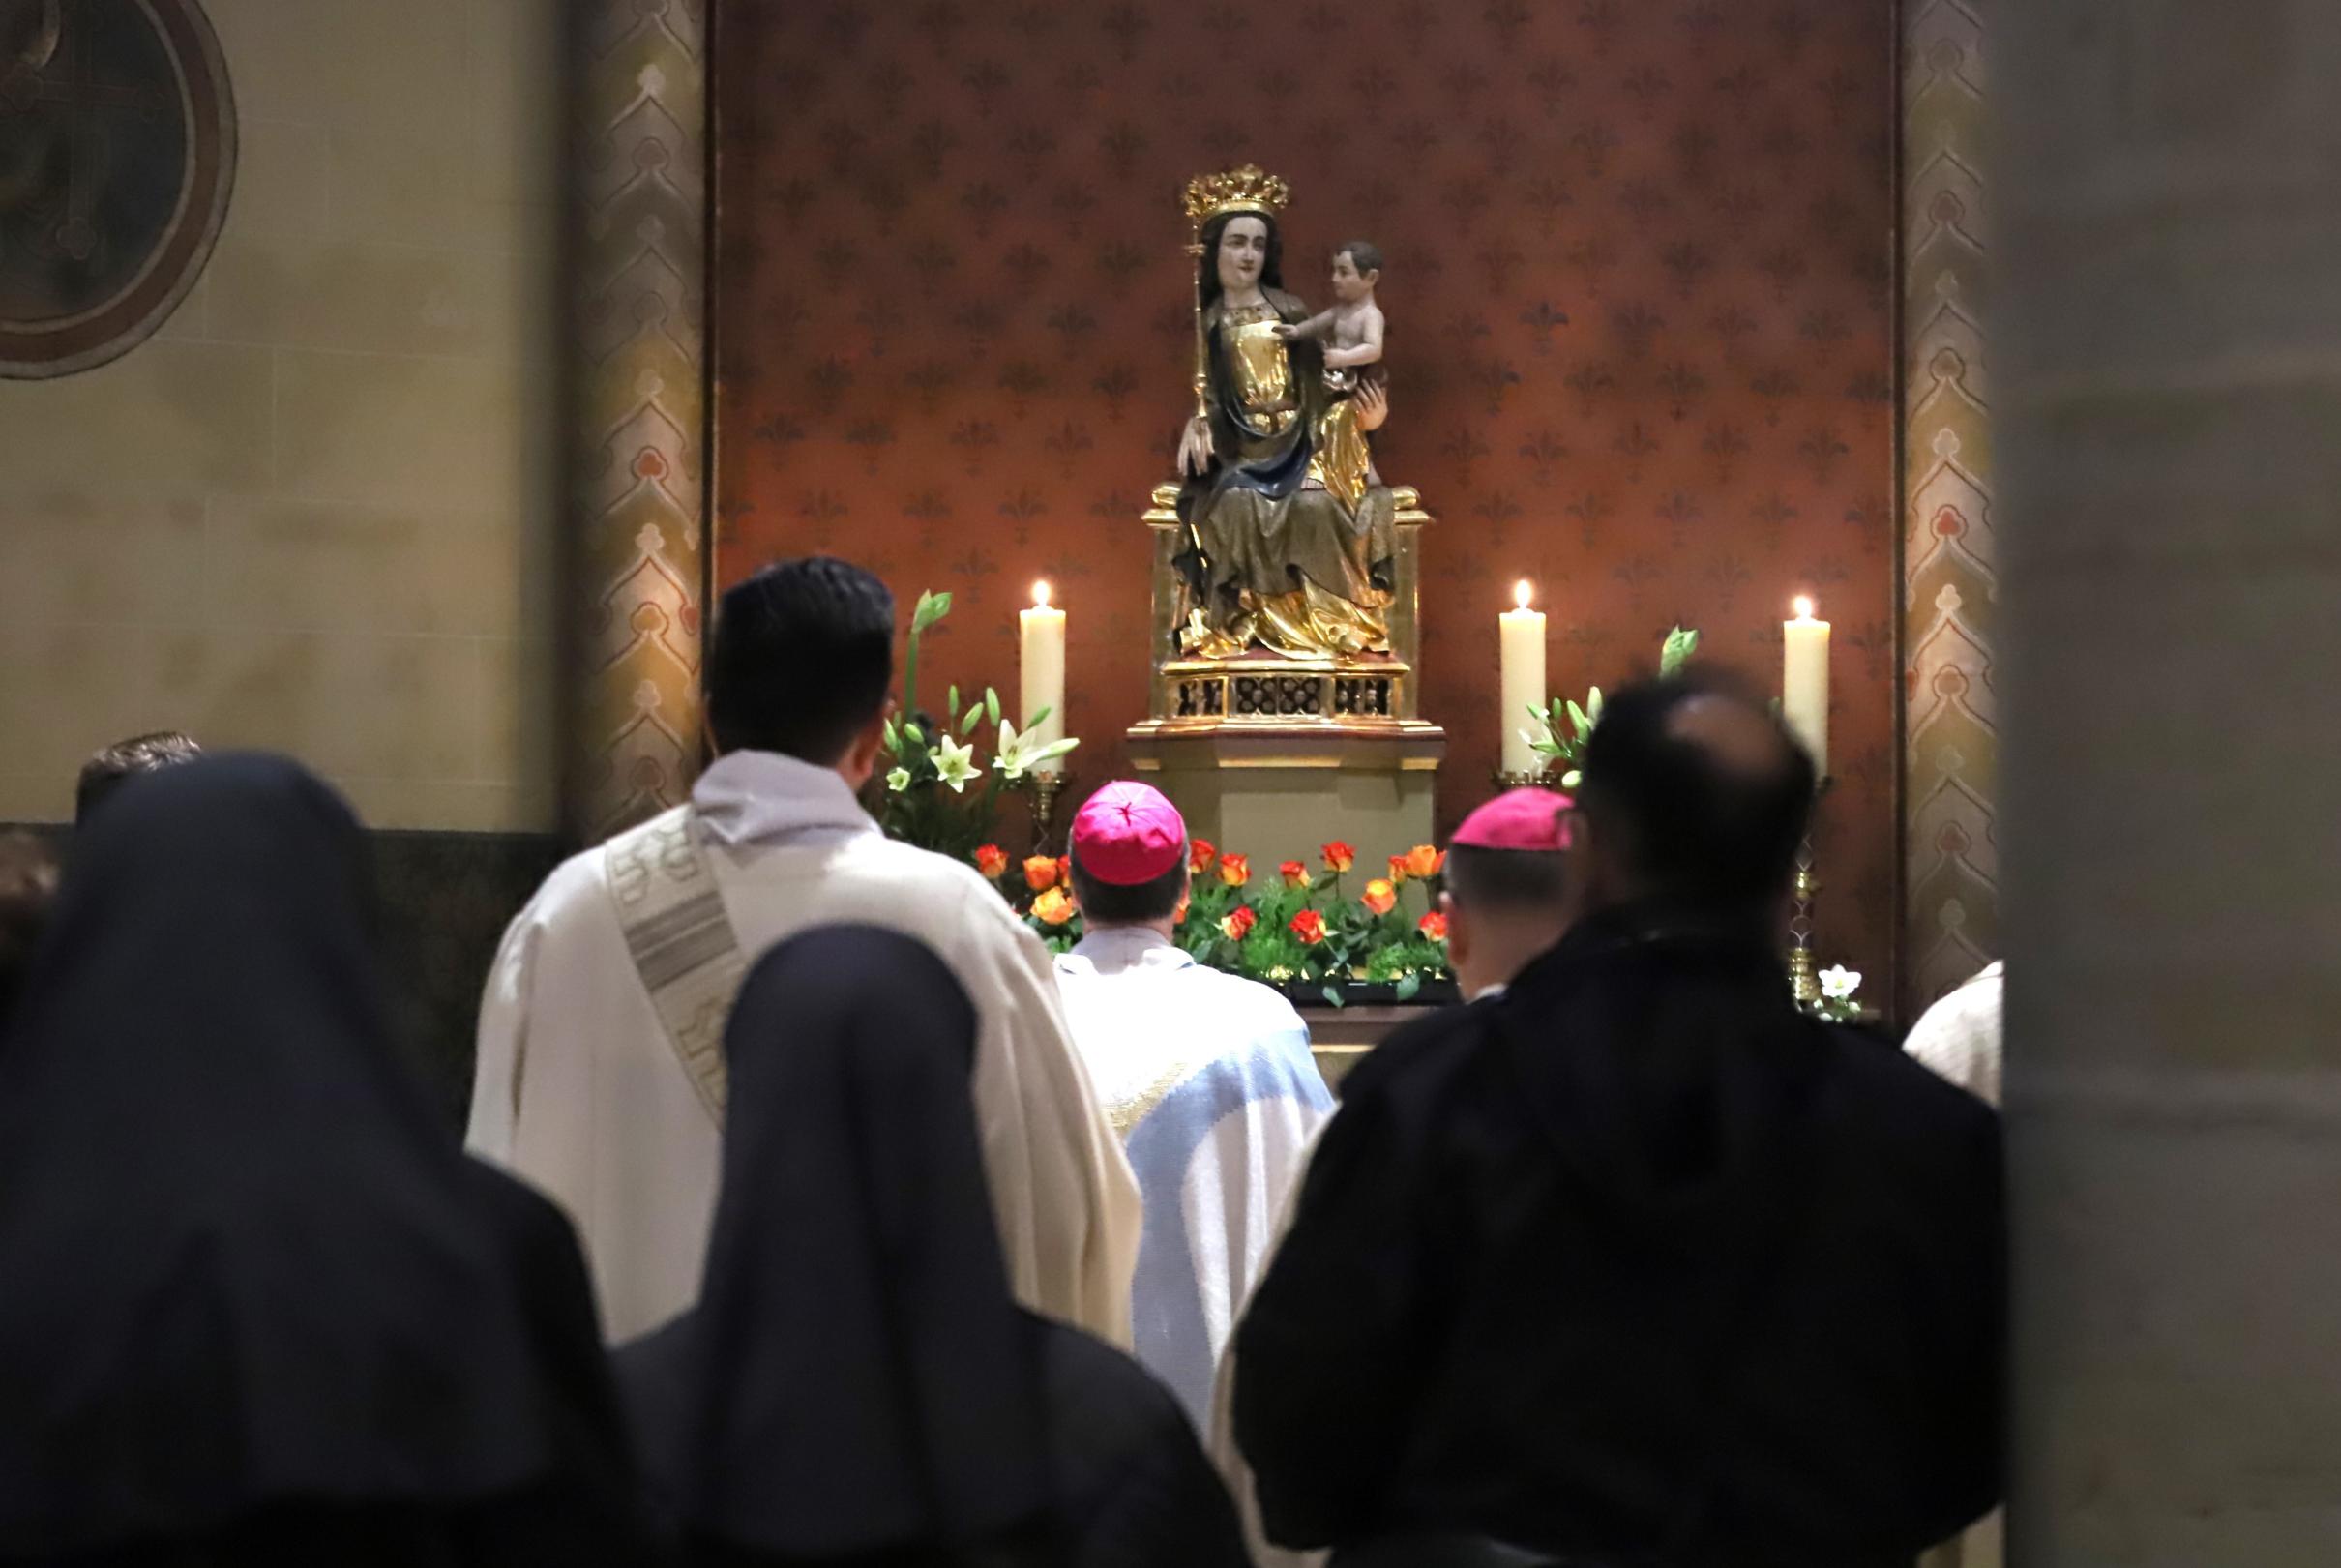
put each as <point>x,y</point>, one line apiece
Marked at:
<point>899,779</point>
<point>1009,756</point>
<point>1839,983</point>
<point>955,762</point>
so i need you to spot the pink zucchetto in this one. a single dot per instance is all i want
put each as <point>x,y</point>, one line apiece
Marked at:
<point>1518,819</point>
<point>1127,834</point>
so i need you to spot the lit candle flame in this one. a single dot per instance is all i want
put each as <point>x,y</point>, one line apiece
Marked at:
<point>1040,594</point>
<point>1804,606</point>
<point>1522,593</point>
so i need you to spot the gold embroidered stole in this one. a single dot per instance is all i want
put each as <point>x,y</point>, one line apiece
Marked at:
<point>680,938</point>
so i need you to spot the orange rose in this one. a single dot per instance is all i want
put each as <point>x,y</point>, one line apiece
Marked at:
<point>1398,871</point>
<point>1294,873</point>
<point>1433,926</point>
<point>1064,870</point>
<point>992,859</point>
<point>1040,874</point>
<point>1239,926</point>
<point>1179,916</point>
<point>1310,927</point>
<point>1234,870</point>
<point>1339,857</point>
<point>1200,854</point>
<point>1054,907</point>
<point>1424,860</point>
<point>1380,897</point>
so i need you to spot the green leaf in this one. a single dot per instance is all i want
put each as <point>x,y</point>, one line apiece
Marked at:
<point>1333,997</point>
<point>1409,986</point>
<point>991,705</point>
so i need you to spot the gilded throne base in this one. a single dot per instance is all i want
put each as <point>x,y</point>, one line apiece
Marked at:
<point>1274,756</point>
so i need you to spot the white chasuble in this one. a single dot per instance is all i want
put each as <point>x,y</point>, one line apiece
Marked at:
<point>580,1089</point>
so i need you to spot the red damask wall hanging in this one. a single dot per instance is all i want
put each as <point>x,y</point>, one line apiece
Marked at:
<point>955,325</point>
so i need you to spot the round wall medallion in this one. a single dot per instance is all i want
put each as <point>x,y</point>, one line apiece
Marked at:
<point>117,150</point>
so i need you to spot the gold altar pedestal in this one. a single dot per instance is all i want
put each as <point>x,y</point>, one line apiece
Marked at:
<point>1272,756</point>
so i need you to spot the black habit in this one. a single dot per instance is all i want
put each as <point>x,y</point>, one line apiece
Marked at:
<point>258,1307</point>
<point>1636,1265</point>
<point>857,1385</point>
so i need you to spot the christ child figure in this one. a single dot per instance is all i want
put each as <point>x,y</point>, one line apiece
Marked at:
<point>1352,329</point>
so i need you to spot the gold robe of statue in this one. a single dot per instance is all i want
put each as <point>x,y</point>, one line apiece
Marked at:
<point>1289,534</point>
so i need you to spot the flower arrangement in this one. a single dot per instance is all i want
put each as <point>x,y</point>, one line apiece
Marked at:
<point>925,798</point>
<point>1558,733</point>
<point>1303,929</point>
<point>1836,1004</point>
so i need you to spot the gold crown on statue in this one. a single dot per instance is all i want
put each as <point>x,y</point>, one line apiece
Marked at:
<point>1247,189</point>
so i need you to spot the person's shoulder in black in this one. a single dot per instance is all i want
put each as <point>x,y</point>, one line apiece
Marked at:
<point>1421,1046</point>
<point>1134,1488</point>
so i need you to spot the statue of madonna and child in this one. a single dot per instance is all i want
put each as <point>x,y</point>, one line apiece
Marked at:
<point>1288,534</point>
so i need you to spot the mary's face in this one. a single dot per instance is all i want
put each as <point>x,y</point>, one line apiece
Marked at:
<point>1243,252</point>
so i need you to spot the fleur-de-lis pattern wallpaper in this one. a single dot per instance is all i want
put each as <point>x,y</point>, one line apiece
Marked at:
<point>1641,334</point>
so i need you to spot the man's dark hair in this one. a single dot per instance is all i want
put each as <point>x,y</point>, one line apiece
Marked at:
<point>802,656</point>
<point>1705,826</point>
<point>126,759</point>
<point>28,886</point>
<point>1364,254</point>
<point>1480,878</point>
<point>1133,903</point>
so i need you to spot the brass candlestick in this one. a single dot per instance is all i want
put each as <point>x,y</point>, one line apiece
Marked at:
<point>1518,780</point>
<point>1804,974</point>
<point>1804,979</point>
<point>1046,788</point>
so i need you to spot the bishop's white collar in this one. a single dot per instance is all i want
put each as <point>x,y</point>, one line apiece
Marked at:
<point>1129,947</point>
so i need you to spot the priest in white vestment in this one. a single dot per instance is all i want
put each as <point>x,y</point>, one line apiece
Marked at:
<point>1206,1076</point>
<point>600,1072</point>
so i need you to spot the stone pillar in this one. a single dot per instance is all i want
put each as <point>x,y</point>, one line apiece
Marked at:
<point>2170,352</point>
<point>1950,556</point>
<point>637,535</point>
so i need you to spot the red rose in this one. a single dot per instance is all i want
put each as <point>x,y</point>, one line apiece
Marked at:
<point>1294,873</point>
<point>1398,870</point>
<point>1310,927</point>
<point>992,859</point>
<point>1238,925</point>
<point>1380,897</point>
<point>1040,874</point>
<point>1339,857</point>
<point>1433,926</point>
<point>1235,869</point>
<point>1064,870</point>
<point>1200,854</point>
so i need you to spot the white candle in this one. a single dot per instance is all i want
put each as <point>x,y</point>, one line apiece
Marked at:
<point>1522,649</point>
<point>1804,681</point>
<point>1042,671</point>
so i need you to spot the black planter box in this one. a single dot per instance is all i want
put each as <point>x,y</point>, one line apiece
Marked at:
<point>1369,993</point>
